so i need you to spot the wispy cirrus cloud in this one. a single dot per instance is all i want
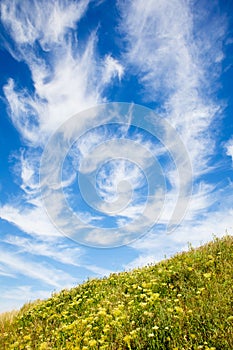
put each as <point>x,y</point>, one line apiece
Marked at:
<point>50,24</point>
<point>229,149</point>
<point>32,220</point>
<point>112,69</point>
<point>61,252</point>
<point>66,78</point>
<point>171,53</point>
<point>43,272</point>
<point>167,48</point>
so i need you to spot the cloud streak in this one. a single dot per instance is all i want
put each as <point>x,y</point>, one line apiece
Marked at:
<point>166,47</point>
<point>46,274</point>
<point>66,78</point>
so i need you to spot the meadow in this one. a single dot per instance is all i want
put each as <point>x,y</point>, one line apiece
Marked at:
<point>182,303</point>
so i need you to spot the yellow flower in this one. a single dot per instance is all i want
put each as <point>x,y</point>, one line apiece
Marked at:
<point>127,339</point>
<point>27,337</point>
<point>43,346</point>
<point>147,313</point>
<point>155,296</point>
<point>142,296</point>
<point>92,342</point>
<point>102,312</point>
<point>155,328</point>
<point>207,275</point>
<point>106,328</point>
<point>178,309</point>
<point>116,312</point>
<point>133,332</point>
<point>143,304</point>
<point>84,321</point>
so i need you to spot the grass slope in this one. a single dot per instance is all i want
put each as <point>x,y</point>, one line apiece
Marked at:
<point>181,303</point>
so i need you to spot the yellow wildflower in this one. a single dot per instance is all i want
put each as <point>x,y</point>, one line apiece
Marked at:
<point>151,335</point>
<point>92,342</point>
<point>155,328</point>
<point>178,309</point>
<point>207,275</point>
<point>127,340</point>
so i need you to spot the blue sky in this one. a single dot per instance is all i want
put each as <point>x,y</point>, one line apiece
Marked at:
<point>115,125</point>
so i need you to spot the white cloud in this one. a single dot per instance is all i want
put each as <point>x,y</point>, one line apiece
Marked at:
<point>173,68</point>
<point>177,63</point>
<point>55,250</point>
<point>33,221</point>
<point>67,80</point>
<point>46,21</point>
<point>47,274</point>
<point>112,69</point>
<point>229,149</point>
<point>67,92</point>
<point>5,273</point>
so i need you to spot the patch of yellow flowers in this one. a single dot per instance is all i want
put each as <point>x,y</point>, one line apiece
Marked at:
<point>159,307</point>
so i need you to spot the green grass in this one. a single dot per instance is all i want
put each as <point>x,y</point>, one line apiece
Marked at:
<point>185,302</point>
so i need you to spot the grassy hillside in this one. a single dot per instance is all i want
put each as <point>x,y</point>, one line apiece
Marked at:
<point>185,302</point>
